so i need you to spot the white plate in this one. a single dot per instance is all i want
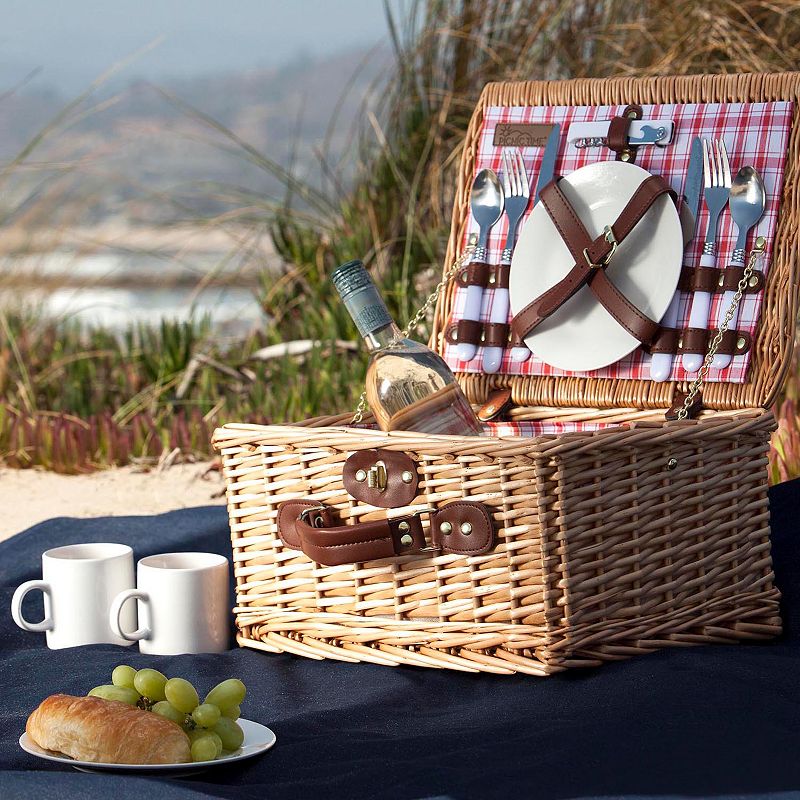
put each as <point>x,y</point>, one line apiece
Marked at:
<point>257,739</point>
<point>581,335</point>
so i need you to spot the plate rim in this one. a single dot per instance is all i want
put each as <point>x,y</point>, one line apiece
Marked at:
<point>104,766</point>
<point>582,369</point>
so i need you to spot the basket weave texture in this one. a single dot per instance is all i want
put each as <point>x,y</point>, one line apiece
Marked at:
<point>609,544</point>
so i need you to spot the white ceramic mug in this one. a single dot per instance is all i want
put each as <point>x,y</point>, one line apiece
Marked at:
<point>183,604</point>
<point>79,582</point>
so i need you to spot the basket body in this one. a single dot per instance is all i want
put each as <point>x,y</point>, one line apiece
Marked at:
<point>605,547</point>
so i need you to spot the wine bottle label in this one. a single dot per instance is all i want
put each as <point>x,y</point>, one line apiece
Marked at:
<point>361,297</point>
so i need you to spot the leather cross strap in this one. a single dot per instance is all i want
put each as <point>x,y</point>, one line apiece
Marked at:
<point>462,527</point>
<point>591,258</point>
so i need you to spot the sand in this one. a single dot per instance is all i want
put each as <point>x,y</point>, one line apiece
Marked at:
<point>31,496</point>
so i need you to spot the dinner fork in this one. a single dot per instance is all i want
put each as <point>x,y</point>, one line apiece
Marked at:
<point>517,194</point>
<point>717,183</point>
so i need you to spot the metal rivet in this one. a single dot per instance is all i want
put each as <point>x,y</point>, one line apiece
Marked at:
<point>407,476</point>
<point>680,342</point>
<point>361,475</point>
<point>466,528</point>
<point>406,540</point>
<point>483,336</point>
<point>761,242</point>
<point>740,343</point>
<point>753,282</point>
<point>672,463</point>
<point>625,156</point>
<point>633,114</point>
<point>492,278</point>
<point>404,526</point>
<point>446,528</point>
<point>721,280</point>
<point>454,335</point>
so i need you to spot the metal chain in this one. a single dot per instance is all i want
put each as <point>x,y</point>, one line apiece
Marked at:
<point>694,388</point>
<point>454,269</point>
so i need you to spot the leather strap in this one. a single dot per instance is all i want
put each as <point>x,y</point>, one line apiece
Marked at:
<point>469,330</point>
<point>585,250</point>
<point>501,276</point>
<point>665,341</point>
<point>714,279</point>
<point>462,527</point>
<point>733,343</point>
<point>618,131</point>
<point>495,334</point>
<point>475,274</point>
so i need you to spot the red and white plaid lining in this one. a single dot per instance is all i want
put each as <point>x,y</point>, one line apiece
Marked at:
<point>754,133</point>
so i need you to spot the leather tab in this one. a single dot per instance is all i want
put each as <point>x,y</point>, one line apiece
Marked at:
<point>495,334</point>
<point>499,401</point>
<point>474,274</point>
<point>463,527</point>
<point>694,340</point>
<point>501,276</point>
<point>618,130</point>
<point>686,278</point>
<point>469,330</point>
<point>733,273</point>
<point>705,279</point>
<point>694,409</point>
<point>665,341</point>
<point>364,470</point>
<point>734,343</point>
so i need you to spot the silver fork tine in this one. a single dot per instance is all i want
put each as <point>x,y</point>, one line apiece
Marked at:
<point>726,167</point>
<point>506,170</point>
<point>512,157</point>
<point>716,167</point>
<point>523,176</point>
<point>706,165</point>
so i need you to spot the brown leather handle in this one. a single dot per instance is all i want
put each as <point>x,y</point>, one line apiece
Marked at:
<point>462,527</point>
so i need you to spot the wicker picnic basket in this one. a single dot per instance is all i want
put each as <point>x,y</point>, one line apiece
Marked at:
<point>610,543</point>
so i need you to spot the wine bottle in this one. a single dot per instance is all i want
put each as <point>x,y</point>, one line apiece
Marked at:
<point>408,386</point>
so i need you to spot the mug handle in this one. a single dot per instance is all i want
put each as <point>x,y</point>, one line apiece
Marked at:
<point>116,610</point>
<point>16,607</point>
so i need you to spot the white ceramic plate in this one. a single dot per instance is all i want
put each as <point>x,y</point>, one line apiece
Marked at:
<point>582,335</point>
<point>257,739</point>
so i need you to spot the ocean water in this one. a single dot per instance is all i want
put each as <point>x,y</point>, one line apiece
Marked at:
<point>115,290</point>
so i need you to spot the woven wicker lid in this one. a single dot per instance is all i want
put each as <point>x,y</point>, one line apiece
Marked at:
<point>774,340</point>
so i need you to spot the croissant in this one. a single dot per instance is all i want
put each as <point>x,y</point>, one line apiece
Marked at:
<point>106,731</point>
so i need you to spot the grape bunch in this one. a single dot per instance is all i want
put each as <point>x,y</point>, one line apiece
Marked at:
<point>211,725</point>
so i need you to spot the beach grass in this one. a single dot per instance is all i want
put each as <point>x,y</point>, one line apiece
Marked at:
<point>74,399</point>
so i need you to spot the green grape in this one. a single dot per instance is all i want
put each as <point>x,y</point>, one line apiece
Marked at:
<point>120,693</point>
<point>215,737</point>
<point>123,676</point>
<point>204,748</point>
<point>181,694</point>
<point>196,733</point>
<point>206,715</point>
<point>231,712</point>
<point>228,693</point>
<point>231,734</point>
<point>150,683</point>
<point>166,709</point>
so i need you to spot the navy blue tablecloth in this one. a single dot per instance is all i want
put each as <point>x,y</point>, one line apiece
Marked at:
<point>706,721</point>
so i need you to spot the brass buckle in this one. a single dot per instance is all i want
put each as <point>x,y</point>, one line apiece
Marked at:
<point>306,512</point>
<point>608,235</point>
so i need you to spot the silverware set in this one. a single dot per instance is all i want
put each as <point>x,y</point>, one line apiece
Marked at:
<point>746,211</point>
<point>491,198</point>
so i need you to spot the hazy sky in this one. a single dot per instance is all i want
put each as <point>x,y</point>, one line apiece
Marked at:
<point>73,41</point>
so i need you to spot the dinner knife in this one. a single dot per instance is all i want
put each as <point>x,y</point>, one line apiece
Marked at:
<point>546,171</point>
<point>661,363</point>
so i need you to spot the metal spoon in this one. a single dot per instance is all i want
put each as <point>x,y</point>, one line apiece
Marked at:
<point>487,201</point>
<point>747,201</point>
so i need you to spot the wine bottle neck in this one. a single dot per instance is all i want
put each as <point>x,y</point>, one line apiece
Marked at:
<point>377,339</point>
